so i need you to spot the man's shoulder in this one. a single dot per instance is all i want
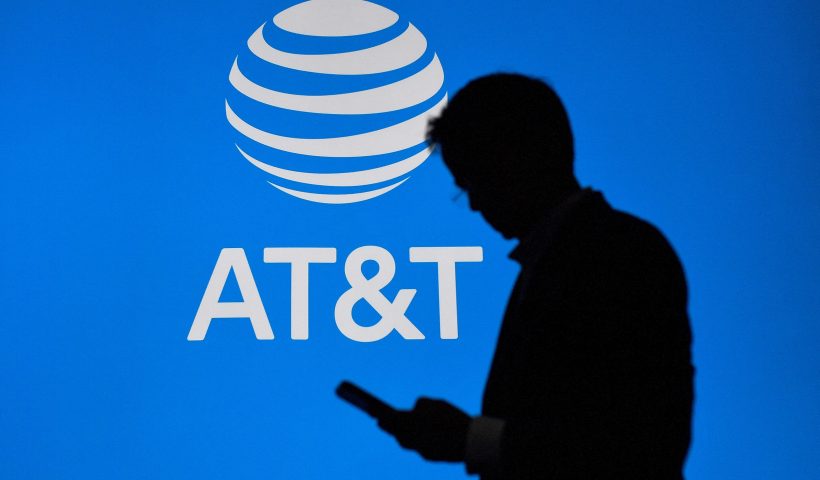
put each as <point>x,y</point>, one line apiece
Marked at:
<point>633,229</point>
<point>610,228</point>
<point>642,237</point>
<point>606,238</point>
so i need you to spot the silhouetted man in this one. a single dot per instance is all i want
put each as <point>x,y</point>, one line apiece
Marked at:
<point>591,376</point>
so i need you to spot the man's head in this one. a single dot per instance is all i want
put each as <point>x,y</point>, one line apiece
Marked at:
<point>507,141</point>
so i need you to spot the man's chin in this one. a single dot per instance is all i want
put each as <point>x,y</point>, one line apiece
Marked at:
<point>503,228</point>
<point>508,234</point>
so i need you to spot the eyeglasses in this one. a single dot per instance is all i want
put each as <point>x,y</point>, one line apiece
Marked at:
<point>460,194</point>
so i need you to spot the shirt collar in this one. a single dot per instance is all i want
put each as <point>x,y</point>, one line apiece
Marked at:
<point>530,246</point>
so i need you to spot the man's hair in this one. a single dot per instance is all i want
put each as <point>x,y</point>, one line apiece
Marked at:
<point>505,116</point>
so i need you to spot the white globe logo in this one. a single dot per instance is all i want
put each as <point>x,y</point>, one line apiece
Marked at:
<point>333,98</point>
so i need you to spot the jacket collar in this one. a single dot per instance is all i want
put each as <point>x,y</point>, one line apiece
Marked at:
<point>531,246</point>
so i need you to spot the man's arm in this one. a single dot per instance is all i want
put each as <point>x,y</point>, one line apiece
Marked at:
<point>619,389</point>
<point>483,448</point>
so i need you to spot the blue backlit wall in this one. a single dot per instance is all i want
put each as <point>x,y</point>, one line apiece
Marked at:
<point>120,184</point>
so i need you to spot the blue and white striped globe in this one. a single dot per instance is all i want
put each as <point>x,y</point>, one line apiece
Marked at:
<point>332,100</point>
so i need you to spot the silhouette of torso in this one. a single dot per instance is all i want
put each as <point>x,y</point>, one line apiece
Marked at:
<point>592,371</point>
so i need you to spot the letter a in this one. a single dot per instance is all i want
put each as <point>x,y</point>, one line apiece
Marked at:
<point>250,306</point>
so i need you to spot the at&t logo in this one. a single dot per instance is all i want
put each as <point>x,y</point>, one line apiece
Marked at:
<point>332,100</point>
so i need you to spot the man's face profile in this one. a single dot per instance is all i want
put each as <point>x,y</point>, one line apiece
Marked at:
<point>493,199</point>
<point>507,141</point>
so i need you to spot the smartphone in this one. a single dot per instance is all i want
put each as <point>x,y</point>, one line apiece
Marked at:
<point>363,400</point>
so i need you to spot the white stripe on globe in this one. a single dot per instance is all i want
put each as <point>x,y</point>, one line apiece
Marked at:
<point>346,179</point>
<point>329,19</point>
<point>399,95</point>
<point>338,198</point>
<point>397,53</point>
<point>391,139</point>
<point>335,18</point>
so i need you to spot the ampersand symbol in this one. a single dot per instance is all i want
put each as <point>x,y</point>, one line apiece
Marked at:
<point>369,289</point>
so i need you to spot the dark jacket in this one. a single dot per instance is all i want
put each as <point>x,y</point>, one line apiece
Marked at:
<point>592,371</point>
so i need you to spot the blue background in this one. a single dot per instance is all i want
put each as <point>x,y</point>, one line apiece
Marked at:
<point>119,185</point>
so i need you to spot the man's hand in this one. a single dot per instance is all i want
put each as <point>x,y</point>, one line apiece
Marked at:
<point>434,428</point>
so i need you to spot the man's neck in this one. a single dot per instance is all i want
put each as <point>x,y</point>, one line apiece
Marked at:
<point>547,200</point>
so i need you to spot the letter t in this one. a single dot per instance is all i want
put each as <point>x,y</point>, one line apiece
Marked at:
<point>446,258</point>
<point>299,259</point>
